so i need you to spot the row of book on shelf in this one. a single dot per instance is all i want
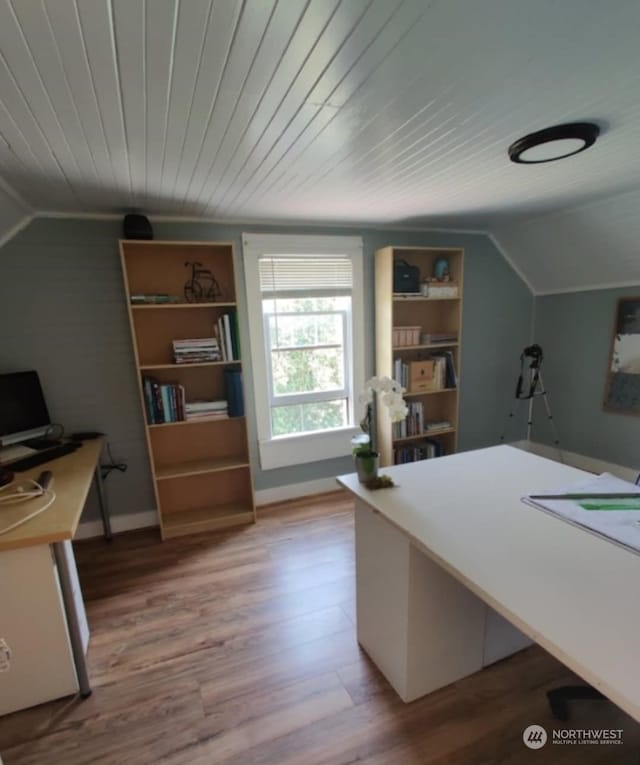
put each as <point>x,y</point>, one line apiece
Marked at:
<point>223,346</point>
<point>414,424</point>
<point>166,402</point>
<point>434,372</point>
<point>420,450</point>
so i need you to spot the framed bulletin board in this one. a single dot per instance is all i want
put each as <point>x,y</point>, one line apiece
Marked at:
<point>622,392</point>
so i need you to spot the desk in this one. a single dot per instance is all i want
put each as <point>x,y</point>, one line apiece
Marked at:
<point>451,549</point>
<point>42,616</point>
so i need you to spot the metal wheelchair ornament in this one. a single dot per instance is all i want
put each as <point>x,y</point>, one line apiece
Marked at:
<point>202,286</point>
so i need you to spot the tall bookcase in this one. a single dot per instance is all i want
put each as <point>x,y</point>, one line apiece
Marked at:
<point>405,326</point>
<point>201,470</point>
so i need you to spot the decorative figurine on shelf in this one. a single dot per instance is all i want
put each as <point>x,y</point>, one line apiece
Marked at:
<point>363,445</point>
<point>441,270</point>
<point>202,287</point>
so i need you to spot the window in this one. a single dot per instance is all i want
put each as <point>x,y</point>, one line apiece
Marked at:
<point>305,309</point>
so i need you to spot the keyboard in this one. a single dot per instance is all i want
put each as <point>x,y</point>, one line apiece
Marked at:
<point>26,463</point>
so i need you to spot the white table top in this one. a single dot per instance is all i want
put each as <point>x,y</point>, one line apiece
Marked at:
<point>577,595</point>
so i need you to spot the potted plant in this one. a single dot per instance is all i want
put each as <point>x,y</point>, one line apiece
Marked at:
<point>365,455</point>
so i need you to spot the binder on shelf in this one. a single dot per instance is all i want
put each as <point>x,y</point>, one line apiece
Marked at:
<point>227,337</point>
<point>233,392</point>
<point>235,331</point>
<point>223,344</point>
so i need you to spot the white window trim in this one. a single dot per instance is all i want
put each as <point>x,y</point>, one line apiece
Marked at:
<point>308,447</point>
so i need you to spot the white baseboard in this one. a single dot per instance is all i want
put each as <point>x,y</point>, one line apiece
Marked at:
<point>295,490</point>
<point>119,523</point>
<point>147,519</point>
<point>581,461</point>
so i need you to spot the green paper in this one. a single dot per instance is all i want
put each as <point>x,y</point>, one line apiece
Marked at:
<point>620,504</point>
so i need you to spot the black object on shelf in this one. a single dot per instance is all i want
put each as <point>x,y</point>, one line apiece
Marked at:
<point>406,278</point>
<point>136,226</point>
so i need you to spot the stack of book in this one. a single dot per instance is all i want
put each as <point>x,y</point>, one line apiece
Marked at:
<point>196,350</point>
<point>164,402</point>
<point>433,338</point>
<point>195,410</point>
<point>228,335</point>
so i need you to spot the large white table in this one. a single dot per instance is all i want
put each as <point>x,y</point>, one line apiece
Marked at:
<point>450,558</point>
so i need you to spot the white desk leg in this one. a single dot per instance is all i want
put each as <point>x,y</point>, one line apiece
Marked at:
<point>420,626</point>
<point>74,616</point>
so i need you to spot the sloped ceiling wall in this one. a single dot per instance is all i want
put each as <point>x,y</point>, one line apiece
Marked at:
<point>591,246</point>
<point>14,214</point>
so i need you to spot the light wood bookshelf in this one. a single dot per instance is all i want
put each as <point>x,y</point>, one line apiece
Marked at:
<point>201,471</point>
<point>432,315</point>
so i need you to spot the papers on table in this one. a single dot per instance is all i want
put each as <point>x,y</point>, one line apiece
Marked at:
<point>617,519</point>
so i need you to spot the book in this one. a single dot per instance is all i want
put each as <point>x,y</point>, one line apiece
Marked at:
<point>221,335</point>
<point>227,337</point>
<point>235,326</point>
<point>233,392</point>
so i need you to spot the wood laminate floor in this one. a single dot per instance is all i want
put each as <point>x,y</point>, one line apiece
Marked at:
<point>239,648</point>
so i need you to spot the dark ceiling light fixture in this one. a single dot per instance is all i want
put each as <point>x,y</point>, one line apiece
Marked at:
<point>553,143</point>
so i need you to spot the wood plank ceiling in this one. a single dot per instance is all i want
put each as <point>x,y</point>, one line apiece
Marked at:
<point>356,111</point>
<point>341,110</point>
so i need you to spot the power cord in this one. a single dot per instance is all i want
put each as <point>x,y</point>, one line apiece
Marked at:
<point>112,464</point>
<point>23,495</point>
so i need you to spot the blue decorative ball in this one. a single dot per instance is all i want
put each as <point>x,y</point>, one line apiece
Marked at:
<point>441,269</point>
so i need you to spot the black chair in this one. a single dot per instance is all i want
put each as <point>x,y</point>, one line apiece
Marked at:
<point>559,698</point>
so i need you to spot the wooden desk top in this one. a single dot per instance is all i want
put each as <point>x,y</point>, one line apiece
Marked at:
<point>570,591</point>
<point>72,476</point>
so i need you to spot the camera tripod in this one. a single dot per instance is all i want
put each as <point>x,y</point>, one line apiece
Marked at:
<point>533,389</point>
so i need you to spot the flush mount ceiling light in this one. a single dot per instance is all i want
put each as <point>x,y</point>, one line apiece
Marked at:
<point>554,143</point>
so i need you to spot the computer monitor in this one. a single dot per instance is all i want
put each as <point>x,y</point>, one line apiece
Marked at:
<point>23,410</point>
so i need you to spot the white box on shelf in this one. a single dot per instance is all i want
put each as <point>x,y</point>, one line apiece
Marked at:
<point>443,290</point>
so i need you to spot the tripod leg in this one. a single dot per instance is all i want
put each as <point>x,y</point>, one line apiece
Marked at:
<point>530,419</point>
<point>552,424</point>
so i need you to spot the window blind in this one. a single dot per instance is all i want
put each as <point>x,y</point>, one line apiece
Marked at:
<point>291,275</point>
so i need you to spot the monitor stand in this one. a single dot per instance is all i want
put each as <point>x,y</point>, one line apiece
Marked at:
<point>39,444</point>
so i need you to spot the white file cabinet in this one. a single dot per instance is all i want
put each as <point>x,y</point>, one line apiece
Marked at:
<point>33,623</point>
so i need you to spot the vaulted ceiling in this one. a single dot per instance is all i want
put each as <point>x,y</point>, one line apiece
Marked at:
<point>368,111</point>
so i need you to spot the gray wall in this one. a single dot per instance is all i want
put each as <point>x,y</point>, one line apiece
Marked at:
<point>575,331</point>
<point>64,314</point>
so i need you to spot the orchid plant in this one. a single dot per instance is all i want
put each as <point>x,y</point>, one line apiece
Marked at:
<point>389,393</point>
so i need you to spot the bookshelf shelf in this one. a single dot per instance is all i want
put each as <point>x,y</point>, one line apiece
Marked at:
<point>201,467</point>
<point>430,392</point>
<point>433,365</point>
<point>426,434</point>
<point>430,346</point>
<point>421,299</point>
<point>149,367</point>
<point>201,519</point>
<point>178,306</point>
<point>197,467</point>
<point>198,421</point>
